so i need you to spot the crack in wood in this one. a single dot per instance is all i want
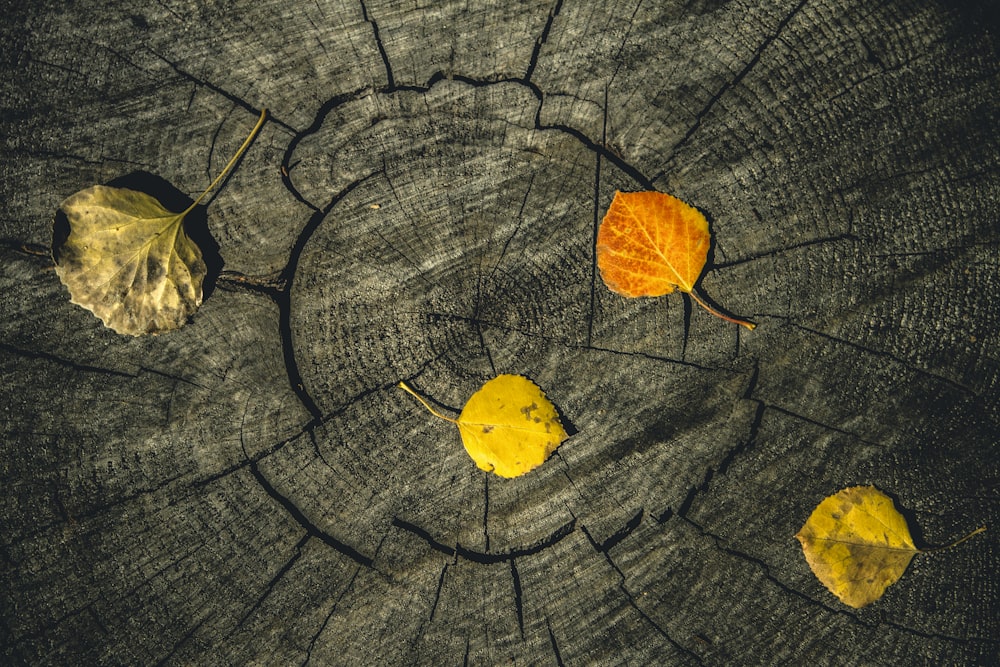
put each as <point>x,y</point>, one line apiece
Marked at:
<point>630,598</point>
<point>67,363</point>
<point>555,646</point>
<point>542,39</point>
<point>390,80</point>
<point>326,621</point>
<point>311,528</point>
<point>569,344</point>
<point>518,596</point>
<point>185,638</point>
<point>437,592</point>
<point>279,575</point>
<point>596,221</point>
<point>731,83</point>
<point>484,557</point>
<point>618,536</point>
<point>284,301</point>
<point>879,353</point>
<point>847,236</point>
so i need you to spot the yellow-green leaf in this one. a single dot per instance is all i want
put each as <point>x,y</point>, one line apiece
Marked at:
<point>857,544</point>
<point>128,260</point>
<point>508,427</point>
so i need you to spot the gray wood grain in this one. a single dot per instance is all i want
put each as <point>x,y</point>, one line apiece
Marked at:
<point>422,206</point>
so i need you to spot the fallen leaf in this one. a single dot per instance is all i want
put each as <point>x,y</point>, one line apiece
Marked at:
<point>651,243</point>
<point>508,427</point>
<point>128,260</point>
<point>857,544</point>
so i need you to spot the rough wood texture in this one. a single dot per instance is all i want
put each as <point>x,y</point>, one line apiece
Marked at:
<point>422,206</point>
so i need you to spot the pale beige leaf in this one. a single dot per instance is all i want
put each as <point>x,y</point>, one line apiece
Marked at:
<point>128,260</point>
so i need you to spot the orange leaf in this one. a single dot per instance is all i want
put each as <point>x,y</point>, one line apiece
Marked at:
<point>650,243</point>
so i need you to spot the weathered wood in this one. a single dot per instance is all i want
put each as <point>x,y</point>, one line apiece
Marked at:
<point>422,205</point>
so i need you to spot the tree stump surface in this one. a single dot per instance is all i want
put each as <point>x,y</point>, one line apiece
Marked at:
<point>422,205</point>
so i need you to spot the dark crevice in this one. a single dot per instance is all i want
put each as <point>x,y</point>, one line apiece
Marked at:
<point>730,455</point>
<point>437,592</point>
<point>390,81</point>
<point>180,642</point>
<point>311,529</point>
<point>235,99</point>
<point>275,579</point>
<point>567,343</point>
<point>424,535</point>
<point>665,515</point>
<point>324,110</point>
<point>555,646</point>
<point>256,458</point>
<point>481,557</point>
<point>631,599</point>
<point>284,300</point>
<point>326,621</point>
<point>172,378</point>
<point>751,440</point>
<point>45,356</point>
<point>95,617</point>
<point>847,236</point>
<point>879,353</point>
<point>540,42</point>
<point>731,83</point>
<point>25,248</point>
<point>73,520</point>
<point>234,281</point>
<point>765,569</point>
<point>819,424</point>
<point>622,532</point>
<point>600,149</point>
<point>693,493</point>
<point>596,223</point>
<point>479,328</point>
<point>632,172</point>
<point>651,357</point>
<point>518,604</point>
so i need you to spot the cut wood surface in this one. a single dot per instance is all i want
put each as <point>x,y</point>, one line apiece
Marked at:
<point>422,206</point>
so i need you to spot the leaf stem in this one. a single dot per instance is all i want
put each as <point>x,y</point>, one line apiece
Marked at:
<point>981,529</point>
<point>231,163</point>
<point>743,323</point>
<point>404,387</point>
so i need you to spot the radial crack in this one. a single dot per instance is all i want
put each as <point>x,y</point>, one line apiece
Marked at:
<point>540,42</point>
<point>276,578</point>
<point>390,80</point>
<point>630,598</point>
<point>732,83</point>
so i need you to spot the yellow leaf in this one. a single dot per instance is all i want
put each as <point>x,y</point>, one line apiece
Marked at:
<point>128,260</point>
<point>857,544</point>
<point>508,427</point>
